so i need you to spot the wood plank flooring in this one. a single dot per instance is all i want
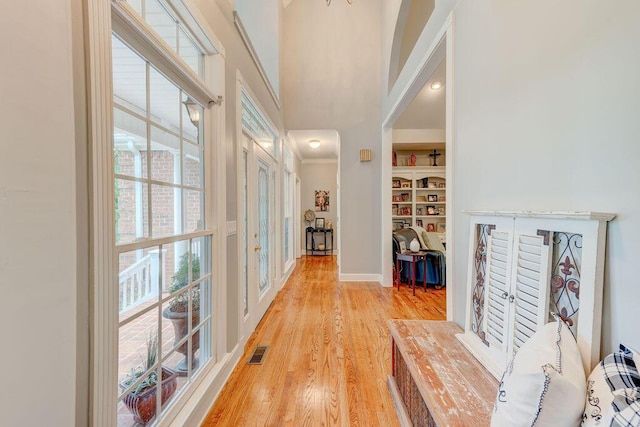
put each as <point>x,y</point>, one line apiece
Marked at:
<point>329,353</point>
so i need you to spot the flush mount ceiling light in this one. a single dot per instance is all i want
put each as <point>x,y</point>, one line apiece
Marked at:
<point>314,143</point>
<point>348,1</point>
<point>436,85</point>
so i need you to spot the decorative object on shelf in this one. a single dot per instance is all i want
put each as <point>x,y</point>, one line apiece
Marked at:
<point>432,185</point>
<point>320,223</point>
<point>441,185</point>
<point>432,210</point>
<point>394,159</point>
<point>394,210</point>
<point>435,155</point>
<point>328,224</point>
<point>421,198</point>
<point>442,198</point>
<point>396,183</point>
<point>414,245</point>
<point>405,197</point>
<point>419,222</point>
<point>441,227</point>
<point>396,198</point>
<point>419,211</point>
<point>322,200</point>
<point>432,198</point>
<point>431,227</point>
<point>309,217</point>
<point>412,159</point>
<point>405,185</point>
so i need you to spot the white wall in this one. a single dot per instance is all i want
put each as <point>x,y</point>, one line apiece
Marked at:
<point>331,80</point>
<point>38,215</point>
<point>547,97</point>
<point>318,176</point>
<point>261,19</point>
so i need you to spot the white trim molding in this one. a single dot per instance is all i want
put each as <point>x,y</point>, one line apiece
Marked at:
<point>104,296</point>
<point>319,161</point>
<point>343,277</point>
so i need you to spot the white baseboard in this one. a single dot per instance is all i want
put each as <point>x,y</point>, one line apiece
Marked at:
<point>360,278</point>
<point>197,407</point>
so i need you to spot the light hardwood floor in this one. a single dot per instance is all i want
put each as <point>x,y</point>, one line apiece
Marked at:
<point>329,353</point>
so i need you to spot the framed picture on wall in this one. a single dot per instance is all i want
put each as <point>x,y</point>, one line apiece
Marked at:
<point>320,223</point>
<point>431,227</point>
<point>322,200</point>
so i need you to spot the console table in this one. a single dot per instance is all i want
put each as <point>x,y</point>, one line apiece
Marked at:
<point>319,241</point>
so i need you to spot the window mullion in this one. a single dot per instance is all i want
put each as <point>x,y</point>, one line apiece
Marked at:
<point>148,125</point>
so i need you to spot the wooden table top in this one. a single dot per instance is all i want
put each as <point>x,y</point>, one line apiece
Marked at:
<point>458,390</point>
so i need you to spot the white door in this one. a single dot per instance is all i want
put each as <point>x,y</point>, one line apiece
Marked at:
<point>259,245</point>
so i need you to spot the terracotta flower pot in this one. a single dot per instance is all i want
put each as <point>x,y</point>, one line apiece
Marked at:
<point>143,405</point>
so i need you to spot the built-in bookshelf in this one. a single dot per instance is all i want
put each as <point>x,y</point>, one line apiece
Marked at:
<point>418,197</point>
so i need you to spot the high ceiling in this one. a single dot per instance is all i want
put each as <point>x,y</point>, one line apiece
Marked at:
<point>427,110</point>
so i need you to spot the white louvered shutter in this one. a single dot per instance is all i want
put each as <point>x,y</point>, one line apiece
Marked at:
<point>530,288</point>
<point>497,283</point>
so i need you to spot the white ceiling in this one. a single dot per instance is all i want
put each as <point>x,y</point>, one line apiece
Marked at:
<point>328,143</point>
<point>427,110</point>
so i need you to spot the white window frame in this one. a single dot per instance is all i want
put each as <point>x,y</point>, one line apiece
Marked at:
<point>288,187</point>
<point>102,18</point>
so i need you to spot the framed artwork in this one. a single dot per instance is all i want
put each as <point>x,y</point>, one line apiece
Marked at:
<point>394,210</point>
<point>441,227</point>
<point>396,183</point>
<point>419,222</point>
<point>322,200</point>
<point>431,227</point>
<point>396,198</point>
<point>406,185</point>
<point>320,223</point>
<point>419,211</point>
<point>432,210</point>
<point>432,198</point>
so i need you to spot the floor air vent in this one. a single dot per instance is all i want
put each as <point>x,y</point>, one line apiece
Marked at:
<point>258,355</point>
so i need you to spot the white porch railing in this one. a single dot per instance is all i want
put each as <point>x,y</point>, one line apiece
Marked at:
<point>137,281</point>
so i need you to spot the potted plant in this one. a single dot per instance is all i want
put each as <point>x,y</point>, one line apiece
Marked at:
<point>141,401</point>
<point>178,309</point>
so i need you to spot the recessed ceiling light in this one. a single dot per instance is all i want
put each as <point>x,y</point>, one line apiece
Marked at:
<point>314,143</point>
<point>436,85</point>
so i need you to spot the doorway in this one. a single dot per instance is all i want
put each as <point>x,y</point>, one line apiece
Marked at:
<point>258,240</point>
<point>440,53</point>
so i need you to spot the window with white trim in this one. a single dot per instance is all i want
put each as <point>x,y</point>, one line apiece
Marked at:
<point>288,207</point>
<point>163,225</point>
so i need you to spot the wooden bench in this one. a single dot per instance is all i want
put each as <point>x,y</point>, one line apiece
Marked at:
<point>434,380</point>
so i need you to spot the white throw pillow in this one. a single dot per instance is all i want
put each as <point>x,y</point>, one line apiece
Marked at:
<point>544,384</point>
<point>613,391</point>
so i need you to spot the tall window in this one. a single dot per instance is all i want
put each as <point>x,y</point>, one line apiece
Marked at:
<point>288,207</point>
<point>163,235</point>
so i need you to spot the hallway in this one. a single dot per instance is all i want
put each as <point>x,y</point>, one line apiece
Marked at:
<point>328,356</point>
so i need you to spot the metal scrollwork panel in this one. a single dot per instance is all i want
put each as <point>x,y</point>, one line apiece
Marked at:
<point>564,298</point>
<point>479,270</point>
